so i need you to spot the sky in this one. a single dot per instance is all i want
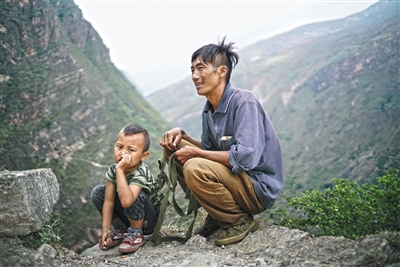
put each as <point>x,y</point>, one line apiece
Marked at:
<point>152,41</point>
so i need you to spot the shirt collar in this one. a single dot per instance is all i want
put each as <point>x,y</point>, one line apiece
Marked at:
<point>224,102</point>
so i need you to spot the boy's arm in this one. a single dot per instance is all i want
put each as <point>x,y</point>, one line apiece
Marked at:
<point>127,193</point>
<point>107,212</point>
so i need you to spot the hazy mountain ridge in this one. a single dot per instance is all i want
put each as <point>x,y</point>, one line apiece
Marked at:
<point>63,102</point>
<point>307,33</point>
<point>331,90</point>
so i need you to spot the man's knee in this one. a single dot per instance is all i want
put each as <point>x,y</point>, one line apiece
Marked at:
<point>193,170</point>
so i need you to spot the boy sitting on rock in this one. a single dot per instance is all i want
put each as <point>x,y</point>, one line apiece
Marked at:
<point>125,202</point>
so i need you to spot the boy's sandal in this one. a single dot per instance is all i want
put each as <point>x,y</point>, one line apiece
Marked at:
<point>117,235</point>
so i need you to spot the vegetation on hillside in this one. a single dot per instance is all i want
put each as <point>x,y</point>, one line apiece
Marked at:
<point>347,209</point>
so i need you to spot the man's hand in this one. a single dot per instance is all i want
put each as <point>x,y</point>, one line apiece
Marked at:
<point>171,139</point>
<point>186,153</point>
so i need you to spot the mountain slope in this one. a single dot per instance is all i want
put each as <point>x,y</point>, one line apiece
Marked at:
<point>63,102</point>
<point>331,90</point>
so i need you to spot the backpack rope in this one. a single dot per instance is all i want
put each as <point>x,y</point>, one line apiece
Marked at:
<point>172,180</point>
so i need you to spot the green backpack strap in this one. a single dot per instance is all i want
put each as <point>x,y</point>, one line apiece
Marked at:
<point>172,181</point>
<point>192,206</point>
<point>162,175</point>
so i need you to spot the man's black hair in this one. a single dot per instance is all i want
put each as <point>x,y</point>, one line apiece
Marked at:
<point>224,51</point>
<point>131,129</point>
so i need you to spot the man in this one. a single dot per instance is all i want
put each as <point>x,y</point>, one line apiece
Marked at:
<point>236,170</point>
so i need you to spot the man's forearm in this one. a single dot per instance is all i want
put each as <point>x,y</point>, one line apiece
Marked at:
<point>217,156</point>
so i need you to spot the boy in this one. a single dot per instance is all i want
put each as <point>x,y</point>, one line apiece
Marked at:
<point>125,202</point>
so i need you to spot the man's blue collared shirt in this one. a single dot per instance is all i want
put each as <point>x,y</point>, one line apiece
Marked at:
<point>241,126</point>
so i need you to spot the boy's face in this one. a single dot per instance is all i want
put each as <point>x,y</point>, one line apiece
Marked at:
<point>131,149</point>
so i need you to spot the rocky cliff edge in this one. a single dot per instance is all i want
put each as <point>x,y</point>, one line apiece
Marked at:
<point>267,246</point>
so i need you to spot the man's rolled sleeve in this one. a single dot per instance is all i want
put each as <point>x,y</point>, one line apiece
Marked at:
<point>235,161</point>
<point>245,154</point>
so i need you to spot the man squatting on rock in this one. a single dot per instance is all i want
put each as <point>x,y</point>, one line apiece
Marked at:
<point>236,170</point>
<point>126,201</point>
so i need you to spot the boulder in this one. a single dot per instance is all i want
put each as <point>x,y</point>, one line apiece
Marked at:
<point>26,200</point>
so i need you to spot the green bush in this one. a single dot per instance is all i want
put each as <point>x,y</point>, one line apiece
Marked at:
<point>49,234</point>
<point>348,209</point>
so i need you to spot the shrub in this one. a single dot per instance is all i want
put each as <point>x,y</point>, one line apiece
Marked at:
<point>49,234</point>
<point>348,209</point>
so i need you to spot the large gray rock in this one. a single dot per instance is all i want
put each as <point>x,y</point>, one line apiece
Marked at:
<point>26,200</point>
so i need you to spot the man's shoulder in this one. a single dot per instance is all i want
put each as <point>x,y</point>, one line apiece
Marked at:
<point>244,95</point>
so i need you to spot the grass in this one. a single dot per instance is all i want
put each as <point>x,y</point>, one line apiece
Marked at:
<point>49,234</point>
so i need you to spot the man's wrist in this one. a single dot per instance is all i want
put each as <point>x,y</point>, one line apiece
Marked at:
<point>184,135</point>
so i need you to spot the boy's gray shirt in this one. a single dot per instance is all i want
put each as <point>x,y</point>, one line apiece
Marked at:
<point>241,126</point>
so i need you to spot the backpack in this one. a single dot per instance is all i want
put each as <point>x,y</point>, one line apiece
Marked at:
<point>171,181</point>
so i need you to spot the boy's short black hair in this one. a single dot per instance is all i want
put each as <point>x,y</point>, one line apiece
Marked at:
<point>131,129</point>
<point>220,54</point>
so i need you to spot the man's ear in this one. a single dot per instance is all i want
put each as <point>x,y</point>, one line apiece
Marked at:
<point>223,70</point>
<point>145,155</point>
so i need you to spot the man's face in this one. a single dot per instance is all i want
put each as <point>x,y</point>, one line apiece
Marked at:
<point>205,77</point>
